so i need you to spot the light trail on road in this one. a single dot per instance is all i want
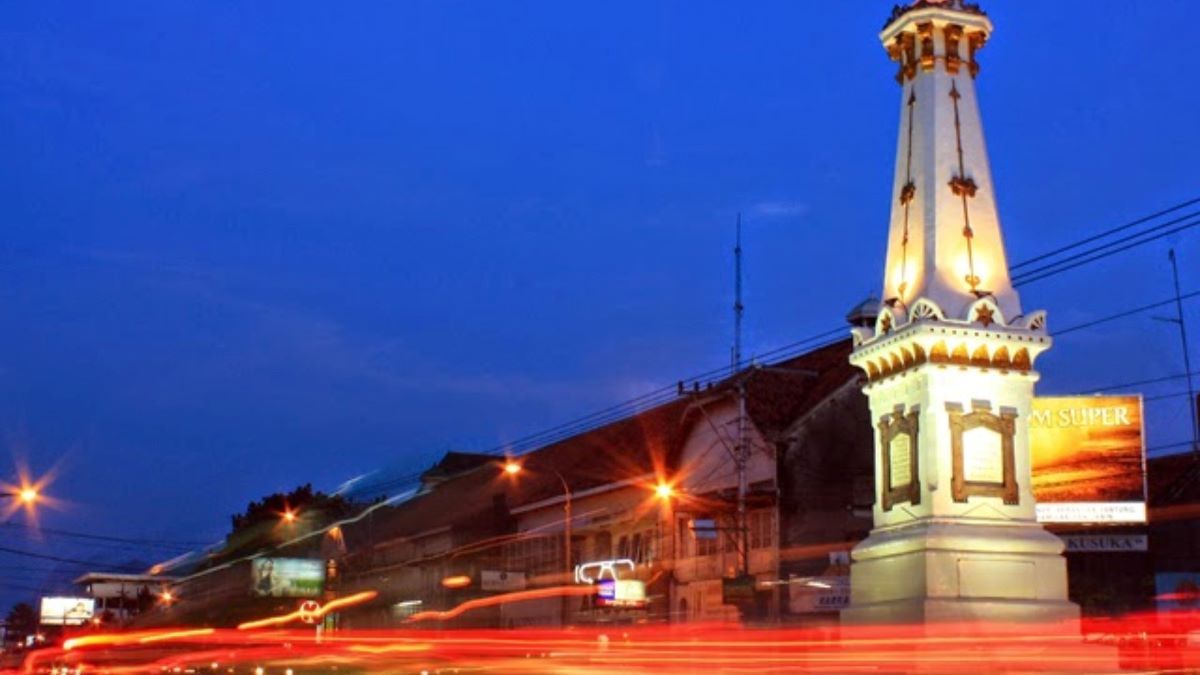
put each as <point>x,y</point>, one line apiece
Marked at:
<point>1143,643</point>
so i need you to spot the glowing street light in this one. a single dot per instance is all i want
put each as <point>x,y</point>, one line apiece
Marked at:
<point>512,468</point>
<point>289,516</point>
<point>167,597</point>
<point>27,495</point>
<point>664,491</point>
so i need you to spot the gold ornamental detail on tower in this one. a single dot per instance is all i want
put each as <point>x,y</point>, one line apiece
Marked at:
<point>922,49</point>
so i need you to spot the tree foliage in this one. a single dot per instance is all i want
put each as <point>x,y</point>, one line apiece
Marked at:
<point>264,525</point>
<point>22,620</point>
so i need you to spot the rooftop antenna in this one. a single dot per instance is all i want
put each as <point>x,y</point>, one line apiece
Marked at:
<point>1193,403</point>
<point>741,452</point>
<point>738,308</point>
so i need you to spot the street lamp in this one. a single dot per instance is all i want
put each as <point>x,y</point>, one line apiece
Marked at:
<point>289,516</point>
<point>27,495</point>
<point>23,495</point>
<point>513,468</point>
<point>664,492</point>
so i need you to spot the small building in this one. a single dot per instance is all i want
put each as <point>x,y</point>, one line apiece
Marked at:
<point>120,597</point>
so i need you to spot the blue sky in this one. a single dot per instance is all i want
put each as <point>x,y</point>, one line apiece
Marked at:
<point>251,245</point>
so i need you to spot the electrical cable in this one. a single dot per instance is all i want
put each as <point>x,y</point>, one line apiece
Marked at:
<point>54,558</point>
<point>1102,235</point>
<point>1122,315</point>
<point>1138,383</point>
<point>180,546</point>
<point>1101,253</point>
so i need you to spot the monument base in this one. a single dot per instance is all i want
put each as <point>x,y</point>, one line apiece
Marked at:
<point>961,573</point>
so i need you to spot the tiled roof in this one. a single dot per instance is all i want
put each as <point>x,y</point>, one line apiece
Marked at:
<point>648,442</point>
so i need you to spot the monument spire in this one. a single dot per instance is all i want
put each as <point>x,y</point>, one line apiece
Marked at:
<point>945,242</point>
<point>949,364</point>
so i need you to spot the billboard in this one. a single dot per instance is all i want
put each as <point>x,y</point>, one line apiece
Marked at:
<point>67,611</point>
<point>287,577</point>
<point>1088,459</point>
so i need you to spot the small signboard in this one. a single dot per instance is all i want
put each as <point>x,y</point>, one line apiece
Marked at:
<point>501,582</point>
<point>1106,543</point>
<point>629,593</point>
<point>815,595</point>
<point>739,591</point>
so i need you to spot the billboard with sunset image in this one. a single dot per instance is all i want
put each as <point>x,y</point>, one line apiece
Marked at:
<point>1088,458</point>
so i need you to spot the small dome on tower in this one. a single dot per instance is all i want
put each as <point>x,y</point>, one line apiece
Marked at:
<point>864,313</point>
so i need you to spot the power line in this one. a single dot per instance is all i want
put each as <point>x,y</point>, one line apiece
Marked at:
<point>1164,397</point>
<point>1122,315</point>
<point>54,558</point>
<point>1169,446</point>
<point>1099,252</point>
<point>1138,383</point>
<point>665,394</point>
<point>1102,235</point>
<point>124,541</point>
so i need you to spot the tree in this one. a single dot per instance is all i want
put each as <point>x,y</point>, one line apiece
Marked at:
<point>266,523</point>
<point>22,621</point>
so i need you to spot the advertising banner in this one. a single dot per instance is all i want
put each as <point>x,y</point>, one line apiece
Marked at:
<point>287,577</point>
<point>67,611</point>
<point>1088,459</point>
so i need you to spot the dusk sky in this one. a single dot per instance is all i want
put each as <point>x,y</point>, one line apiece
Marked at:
<point>252,245</point>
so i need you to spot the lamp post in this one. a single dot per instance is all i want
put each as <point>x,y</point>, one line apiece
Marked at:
<point>513,468</point>
<point>663,492</point>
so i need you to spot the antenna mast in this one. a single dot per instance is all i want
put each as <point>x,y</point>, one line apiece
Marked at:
<point>742,454</point>
<point>1193,403</point>
<point>738,308</point>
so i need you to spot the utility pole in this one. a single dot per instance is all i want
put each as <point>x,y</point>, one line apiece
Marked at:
<point>1193,404</point>
<point>741,453</point>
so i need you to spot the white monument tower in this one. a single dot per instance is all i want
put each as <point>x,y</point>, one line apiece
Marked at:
<point>949,364</point>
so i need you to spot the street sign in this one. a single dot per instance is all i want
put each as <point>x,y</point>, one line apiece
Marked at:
<point>310,611</point>
<point>739,591</point>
